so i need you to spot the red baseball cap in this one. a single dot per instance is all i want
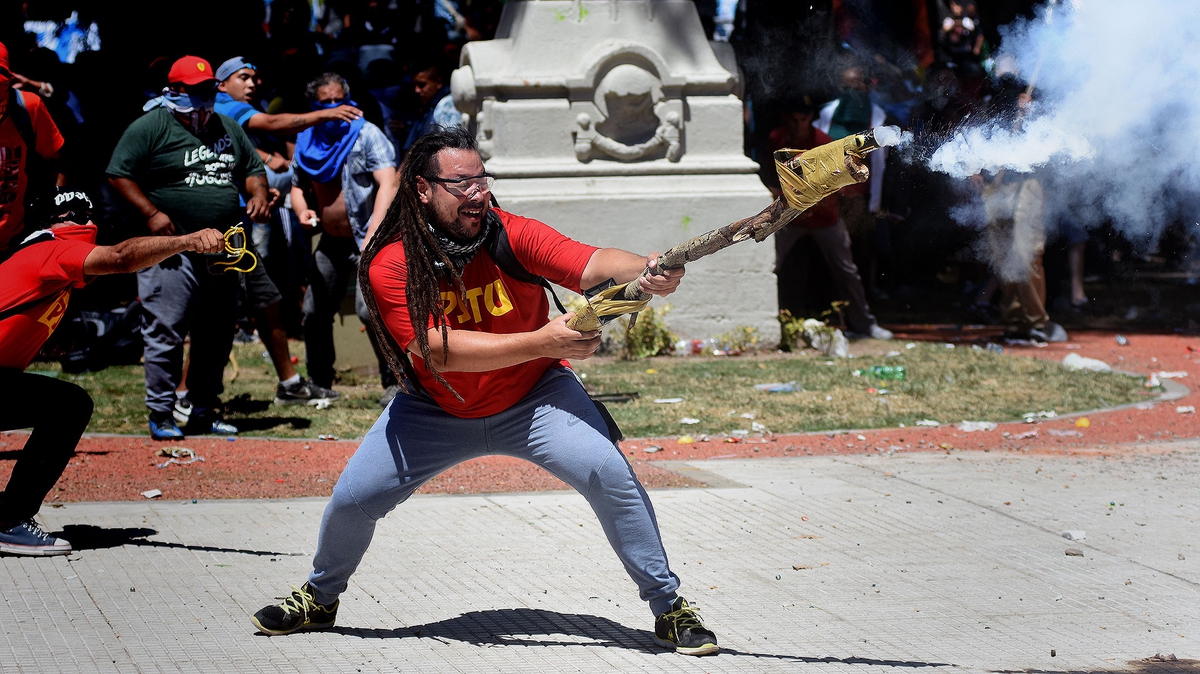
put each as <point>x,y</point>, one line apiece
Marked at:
<point>190,70</point>
<point>5,73</point>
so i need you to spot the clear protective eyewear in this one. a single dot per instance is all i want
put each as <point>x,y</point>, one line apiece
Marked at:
<point>466,187</point>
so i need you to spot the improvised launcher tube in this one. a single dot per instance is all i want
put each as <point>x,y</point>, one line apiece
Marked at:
<point>806,176</point>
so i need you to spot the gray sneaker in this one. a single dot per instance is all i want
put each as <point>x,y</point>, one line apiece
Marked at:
<point>304,392</point>
<point>29,539</point>
<point>876,332</point>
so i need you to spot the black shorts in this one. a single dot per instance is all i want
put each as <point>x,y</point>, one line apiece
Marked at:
<point>260,289</point>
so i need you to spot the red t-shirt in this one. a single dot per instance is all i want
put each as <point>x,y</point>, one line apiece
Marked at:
<point>14,162</point>
<point>495,303</point>
<point>825,212</point>
<point>49,269</point>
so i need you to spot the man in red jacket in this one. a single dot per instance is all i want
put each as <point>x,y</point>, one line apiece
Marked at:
<point>38,279</point>
<point>486,373</point>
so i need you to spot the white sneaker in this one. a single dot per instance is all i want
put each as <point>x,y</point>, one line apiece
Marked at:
<point>877,332</point>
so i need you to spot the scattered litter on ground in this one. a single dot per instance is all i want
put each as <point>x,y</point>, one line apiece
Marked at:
<point>734,439</point>
<point>973,426</point>
<point>825,338</point>
<point>1159,657</point>
<point>650,449</point>
<point>668,401</point>
<point>1180,374</point>
<point>1064,434</point>
<point>1083,422</point>
<point>1152,382</point>
<point>739,433</point>
<point>910,345</point>
<point>862,437</point>
<point>995,348</point>
<point>948,346</point>
<point>1075,363</point>
<point>1185,409</point>
<point>1073,552</point>
<point>181,456</point>
<point>892,354</point>
<point>152,493</point>
<point>779,387</point>
<point>928,422</point>
<point>1034,417</point>
<point>686,440</point>
<point>327,436</point>
<point>689,421</point>
<point>800,567</point>
<point>1074,535</point>
<point>1026,435</point>
<point>1144,406</point>
<point>1122,340</point>
<point>747,415</point>
<point>758,428</point>
<point>890,372</point>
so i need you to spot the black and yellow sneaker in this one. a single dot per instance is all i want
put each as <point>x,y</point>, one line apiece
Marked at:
<point>681,629</point>
<point>298,612</point>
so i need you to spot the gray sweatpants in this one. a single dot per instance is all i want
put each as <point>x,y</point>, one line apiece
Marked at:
<point>415,439</point>
<point>180,296</point>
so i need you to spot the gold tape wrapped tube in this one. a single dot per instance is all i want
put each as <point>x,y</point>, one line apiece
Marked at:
<point>807,177</point>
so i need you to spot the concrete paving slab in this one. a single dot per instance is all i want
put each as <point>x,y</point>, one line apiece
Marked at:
<point>922,562</point>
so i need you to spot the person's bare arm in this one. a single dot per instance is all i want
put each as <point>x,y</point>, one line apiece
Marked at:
<point>472,351</point>
<point>145,251</point>
<point>293,123</point>
<point>257,205</point>
<point>308,217</point>
<point>623,266</point>
<point>386,179</point>
<point>159,223</point>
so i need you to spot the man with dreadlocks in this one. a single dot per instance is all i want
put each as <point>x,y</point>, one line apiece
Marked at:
<point>485,372</point>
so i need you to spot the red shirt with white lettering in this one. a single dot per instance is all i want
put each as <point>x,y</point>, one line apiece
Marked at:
<point>14,161</point>
<point>48,270</point>
<point>495,303</point>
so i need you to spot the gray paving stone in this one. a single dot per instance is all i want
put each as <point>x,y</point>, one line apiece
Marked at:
<point>921,562</point>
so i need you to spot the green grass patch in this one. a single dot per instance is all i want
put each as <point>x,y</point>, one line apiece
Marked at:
<point>947,385</point>
<point>119,394</point>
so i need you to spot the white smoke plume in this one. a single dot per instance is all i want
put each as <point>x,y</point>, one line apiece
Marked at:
<point>1115,125</point>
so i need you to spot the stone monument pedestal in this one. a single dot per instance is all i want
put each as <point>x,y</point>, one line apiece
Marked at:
<point>619,124</point>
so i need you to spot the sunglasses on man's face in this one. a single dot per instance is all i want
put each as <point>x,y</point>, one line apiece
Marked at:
<point>73,217</point>
<point>465,187</point>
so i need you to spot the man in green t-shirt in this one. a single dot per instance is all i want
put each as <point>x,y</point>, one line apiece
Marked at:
<point>182,166</point>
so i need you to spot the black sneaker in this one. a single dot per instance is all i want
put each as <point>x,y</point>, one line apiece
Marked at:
<point>681,629</point>
<point>209,424</point>
<point>27,538</point>
<point>304,392</point>
<point>298,612</point>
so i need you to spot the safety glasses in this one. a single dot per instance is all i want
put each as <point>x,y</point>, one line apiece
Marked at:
<point>465,187</point>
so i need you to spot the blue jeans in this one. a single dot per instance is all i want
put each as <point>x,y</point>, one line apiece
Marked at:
<point>555,426</point>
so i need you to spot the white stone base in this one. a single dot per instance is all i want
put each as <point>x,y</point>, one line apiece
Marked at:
<point>734,287</point>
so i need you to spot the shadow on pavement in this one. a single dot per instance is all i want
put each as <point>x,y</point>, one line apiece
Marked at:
<point>1147,666</point>
<point>90,537</point>
<point>536,627</point>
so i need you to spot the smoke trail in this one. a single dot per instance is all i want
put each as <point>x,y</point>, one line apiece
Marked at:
<point>1116,118</point>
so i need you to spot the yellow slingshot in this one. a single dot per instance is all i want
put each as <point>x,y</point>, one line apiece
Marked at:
<point>238,249</point>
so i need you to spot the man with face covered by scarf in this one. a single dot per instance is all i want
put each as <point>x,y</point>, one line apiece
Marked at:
<point>182,166</point>
<point>344,181</point>
<point>38,280</point>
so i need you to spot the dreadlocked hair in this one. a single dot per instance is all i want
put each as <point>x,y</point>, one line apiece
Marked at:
<point>405,222</point>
